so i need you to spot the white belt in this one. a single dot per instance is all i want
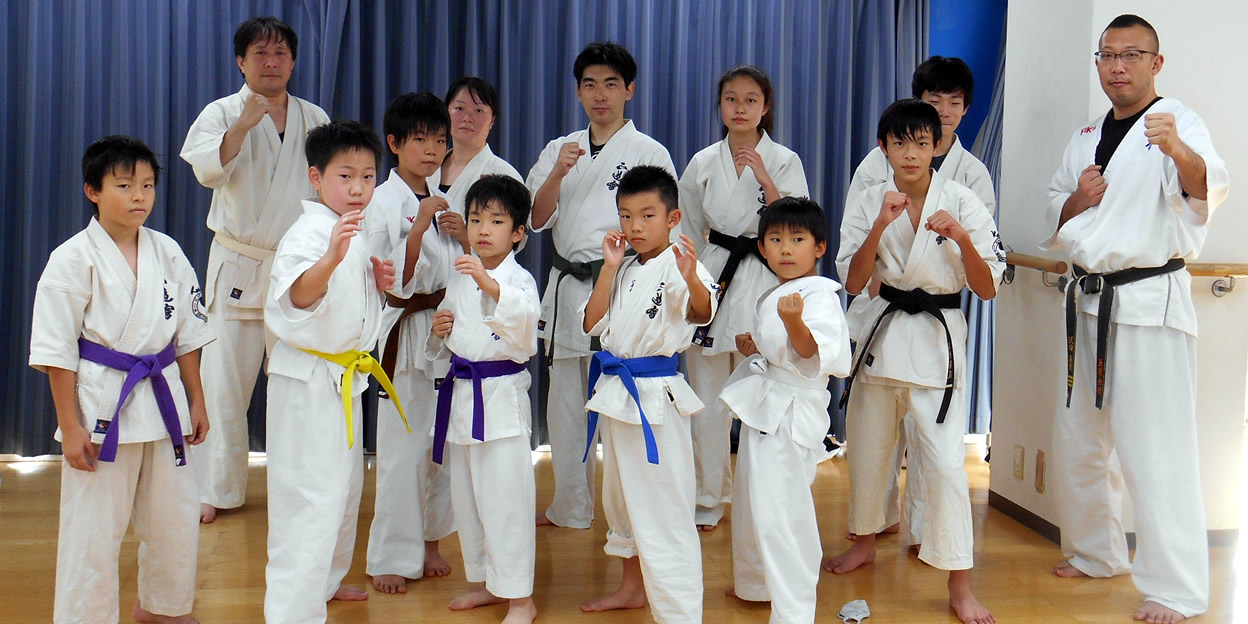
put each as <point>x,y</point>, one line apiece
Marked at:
<point>775,373</point>
<point>259,254</point>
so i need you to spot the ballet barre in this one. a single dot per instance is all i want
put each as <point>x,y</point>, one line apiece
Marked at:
<point>1039,263</point>
<point>1224,272</point>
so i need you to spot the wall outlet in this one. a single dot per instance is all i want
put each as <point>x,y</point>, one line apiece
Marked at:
<point>1040,471</point>
<point>1020,457</point>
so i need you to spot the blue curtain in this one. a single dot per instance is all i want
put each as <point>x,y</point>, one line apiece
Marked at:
<point>78,70</point>
<point>981,316</point>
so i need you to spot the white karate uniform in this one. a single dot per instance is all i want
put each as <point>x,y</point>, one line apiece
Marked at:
<point>713,197</point>
<point>1149,413</point>
<point>649,507</point>
<point>483,164</point>
<point>586,211</point>
<point>964,168</point>
<point>413,500</point>
<point>492,484</point>
<point>314,477</point>
<point>904,371</point>
<point>784,420</point>
<point>255,198</point>
<point>88,290</point>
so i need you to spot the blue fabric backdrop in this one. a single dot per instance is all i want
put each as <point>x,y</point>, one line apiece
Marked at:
<point>78,70</point>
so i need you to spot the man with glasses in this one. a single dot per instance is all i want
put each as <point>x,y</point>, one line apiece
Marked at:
<point>1130,202</point>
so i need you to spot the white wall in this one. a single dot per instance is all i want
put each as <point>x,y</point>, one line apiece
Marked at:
<point>1051,89</point>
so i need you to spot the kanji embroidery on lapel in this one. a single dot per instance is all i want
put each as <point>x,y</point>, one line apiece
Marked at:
<point>619,172</point>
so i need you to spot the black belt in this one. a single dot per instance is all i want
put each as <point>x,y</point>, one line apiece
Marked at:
<point>1103,283</point>
<point>581,271</point>
<point>911,302</point>
<point>738,248</point>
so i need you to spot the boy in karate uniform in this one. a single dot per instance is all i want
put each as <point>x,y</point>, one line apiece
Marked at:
<point>325,309</point>
<point>1130,203</point>
<point>118,324</point>
<point>947,84</point>
<point>911,358</point>
<point>645,309</point>
<point>412,510</point>
<point>573,185</point>
<point>801,337</point>
<point>487,326</point>
<point>249,149</point>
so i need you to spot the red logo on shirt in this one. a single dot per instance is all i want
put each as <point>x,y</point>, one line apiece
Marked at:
<point>1087,129</point>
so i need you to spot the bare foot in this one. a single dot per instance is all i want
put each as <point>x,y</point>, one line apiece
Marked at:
<point>732,593</point>
<point>475,599</point>
<point>435,565</point>
<point>1154,613</point>
<point>350,593</point>
<point>707,528</point>
<point>521,611</point>
<point>389,584</point>
<point>542,520</point>
<point>891,530</point>
<point>625,597</point>
<point>147,617</point>
<point>963,601</point>
<point>207,513</point>
<point>1064,569</point>
<point>860,554</point>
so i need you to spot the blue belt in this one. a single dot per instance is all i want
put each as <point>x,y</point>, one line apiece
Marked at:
<point>627,369</point>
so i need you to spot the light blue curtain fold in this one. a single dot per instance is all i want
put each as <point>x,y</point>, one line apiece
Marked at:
<point>76,70</point>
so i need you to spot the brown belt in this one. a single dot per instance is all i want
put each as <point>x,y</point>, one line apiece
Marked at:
<point>411,305</point>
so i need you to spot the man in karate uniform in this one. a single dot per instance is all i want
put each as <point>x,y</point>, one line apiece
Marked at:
<point>118,323</point>
<point>947,84</point>
<point>573,185</point>
<point>924,238</point>
<point>1130,202</point>
<point>248,148</point>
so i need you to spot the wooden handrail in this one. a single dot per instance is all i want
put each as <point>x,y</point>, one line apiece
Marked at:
<point>1217,269</point>
<point>1040,263</point>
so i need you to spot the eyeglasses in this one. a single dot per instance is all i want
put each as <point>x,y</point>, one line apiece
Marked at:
<point>1128,57</point>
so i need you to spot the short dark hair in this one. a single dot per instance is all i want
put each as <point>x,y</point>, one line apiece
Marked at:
<point>943,74</point>
<point>264,29</point>
<point>506,192</point>
<point>607,53</point>
<point>759,76</point>
<point>479,89</point>
<point>327,141</point>
<point>795,213</point>
<point>1128,20</point>
<point>905,119</point>
<point>112,153</point>
<point>411,114</point>
<point>646,178</point>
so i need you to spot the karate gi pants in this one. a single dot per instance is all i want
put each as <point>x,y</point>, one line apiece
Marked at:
<point>494,492</point>
<point>649,512</point>
<point>142,486</point>
<point>775,537</point>
<point>413,502</point>
<point>314,498</point>
<point>1149,418</point>
<point>712,432</point>
<point>874,421</point>
<point>896,498</point>
<point>573,505</point>
<point>228,368</point>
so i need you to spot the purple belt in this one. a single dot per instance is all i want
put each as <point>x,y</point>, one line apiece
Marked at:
<point>137,369</point>
<point>476,371</point>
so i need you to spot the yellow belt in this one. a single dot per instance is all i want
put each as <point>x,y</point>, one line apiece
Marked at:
<point>367,364</point>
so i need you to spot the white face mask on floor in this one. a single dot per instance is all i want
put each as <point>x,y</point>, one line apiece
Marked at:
<point>854,612</point>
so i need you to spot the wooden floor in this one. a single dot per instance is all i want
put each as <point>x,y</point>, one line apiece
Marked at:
<point>1011,567</point>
